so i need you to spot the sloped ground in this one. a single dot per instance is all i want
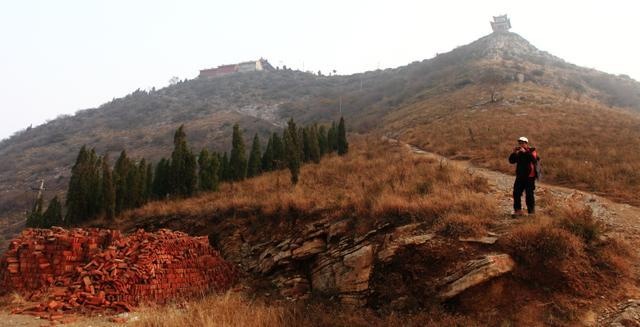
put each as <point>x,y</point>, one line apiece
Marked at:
<point>416,238</point>
<point>621,221</point>
<point>584,144</point>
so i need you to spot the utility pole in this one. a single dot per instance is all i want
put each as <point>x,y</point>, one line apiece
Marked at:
<point>39,189</point>
<point>341,106</point>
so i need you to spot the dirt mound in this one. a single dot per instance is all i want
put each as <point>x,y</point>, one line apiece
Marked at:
<point>100,269</point>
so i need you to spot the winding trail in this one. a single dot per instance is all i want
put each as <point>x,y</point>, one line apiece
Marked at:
<point>621,221</point>
<point>618,217</point>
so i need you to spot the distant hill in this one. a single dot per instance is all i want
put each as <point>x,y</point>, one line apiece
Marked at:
<point>470,102</point>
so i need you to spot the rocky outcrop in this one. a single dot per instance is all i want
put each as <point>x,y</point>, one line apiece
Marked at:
<point>400,238</point>
<point>326,257</point>
<point>477,272</point>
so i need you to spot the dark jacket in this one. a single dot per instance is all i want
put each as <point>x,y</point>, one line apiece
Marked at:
<point>525,163</point>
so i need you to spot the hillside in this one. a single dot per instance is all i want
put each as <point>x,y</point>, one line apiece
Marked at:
<point>407,239</point>
<point>443,104</point>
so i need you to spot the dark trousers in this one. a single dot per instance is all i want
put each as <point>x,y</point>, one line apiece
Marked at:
<point>527,185</point>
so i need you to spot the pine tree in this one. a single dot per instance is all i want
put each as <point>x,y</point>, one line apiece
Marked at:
<point>343,145</point>
<point>53,215</point>
<point>238,160</point>
<point>253,166</point>
<point>108,190</point>
<point>292,150</point>
<point>267,156</point>
<point>183,166</point>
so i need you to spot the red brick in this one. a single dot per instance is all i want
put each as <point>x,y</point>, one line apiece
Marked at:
<point>139,267</point>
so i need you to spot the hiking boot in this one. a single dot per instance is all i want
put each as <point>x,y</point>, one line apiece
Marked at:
<point>533,213</point>
<point>518,213</point>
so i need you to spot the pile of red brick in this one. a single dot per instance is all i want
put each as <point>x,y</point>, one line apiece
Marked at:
<point>99,269</point>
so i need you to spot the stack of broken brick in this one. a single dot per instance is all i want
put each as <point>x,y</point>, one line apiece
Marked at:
<point>100,269</point>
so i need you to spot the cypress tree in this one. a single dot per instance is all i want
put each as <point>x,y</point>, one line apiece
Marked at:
<point>323,144</point>
<point>133,187</point>
<point>343,145</point>
<point>139,184</point>
<point>254,166</point>
<point>78,190</point>
<point>122,183</point>
<point>53,215</point>
<point>225,173</point>
<point>238,160</point>
<point>160,186</point>
<point>292,150</point>
<point>306,145</point>
<point>149,183</point>
<point>183,166</point>
<point>313,144</point>
<point>279,160</point>
<point>267,156</point>
<point>205,175</point>
<point>94,198</point>
<point>332,137</point>
<point>214,167</point>
<point>300,139</point>
<point>108,190</point>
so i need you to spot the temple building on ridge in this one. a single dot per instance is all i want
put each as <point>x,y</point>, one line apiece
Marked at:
<point>248,66</point>
<point>501,24</point>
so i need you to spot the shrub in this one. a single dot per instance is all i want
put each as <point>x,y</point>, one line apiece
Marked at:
<point>580,222</point>
<point>551,258</point>
<point>542,244</point>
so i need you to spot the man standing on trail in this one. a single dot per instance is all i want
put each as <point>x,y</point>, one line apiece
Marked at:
<point>526,160</point>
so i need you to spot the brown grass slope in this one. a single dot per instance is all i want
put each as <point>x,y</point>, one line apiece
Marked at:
<point>566,265</point>
<point>583,144</point>
<point>374,184</point>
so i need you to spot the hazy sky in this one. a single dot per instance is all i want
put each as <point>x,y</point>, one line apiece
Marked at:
<point>57,57</point>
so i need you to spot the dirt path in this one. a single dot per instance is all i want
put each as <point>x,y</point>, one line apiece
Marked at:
<point>618,217</point>
<point>621,220</point>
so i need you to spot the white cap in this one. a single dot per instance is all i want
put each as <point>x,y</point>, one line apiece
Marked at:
<point>523,139</point>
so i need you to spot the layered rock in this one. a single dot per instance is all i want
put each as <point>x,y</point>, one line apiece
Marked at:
<point>326,257</point>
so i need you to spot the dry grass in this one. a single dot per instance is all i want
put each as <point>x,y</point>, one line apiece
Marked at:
<point>460,225</point>
<point>562,254</point>
<point>236,309</point>
<point>376,182</point>
<point>583,144</point>
<point>568,252</point>
<point>230,309</point>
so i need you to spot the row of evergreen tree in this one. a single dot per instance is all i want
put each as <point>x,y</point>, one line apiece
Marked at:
<point>95,189</point>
